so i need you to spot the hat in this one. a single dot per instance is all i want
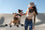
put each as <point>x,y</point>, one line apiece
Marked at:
<point>31,4</point>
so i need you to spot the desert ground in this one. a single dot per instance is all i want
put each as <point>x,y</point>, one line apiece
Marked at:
<point>6,18</point>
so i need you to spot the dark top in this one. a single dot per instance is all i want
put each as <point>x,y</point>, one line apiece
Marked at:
<point>31,10</point>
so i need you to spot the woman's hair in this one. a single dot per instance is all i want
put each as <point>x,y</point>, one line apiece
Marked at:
<point>34,7</point>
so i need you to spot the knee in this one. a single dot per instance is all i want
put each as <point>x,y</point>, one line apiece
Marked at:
<point>26,25</point>
<point>31,27</point>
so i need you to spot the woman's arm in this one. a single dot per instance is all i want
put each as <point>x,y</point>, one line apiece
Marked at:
<point>26,12</point>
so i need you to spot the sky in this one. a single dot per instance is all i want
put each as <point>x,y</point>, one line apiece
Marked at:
<point>12,6</point>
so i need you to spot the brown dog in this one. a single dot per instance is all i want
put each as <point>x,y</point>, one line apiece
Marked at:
<point>15,19</point>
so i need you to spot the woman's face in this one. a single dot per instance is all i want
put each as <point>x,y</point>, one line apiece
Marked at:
<point>30,7</point>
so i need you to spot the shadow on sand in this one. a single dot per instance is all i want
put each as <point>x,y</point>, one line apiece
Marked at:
<point>2,21</point>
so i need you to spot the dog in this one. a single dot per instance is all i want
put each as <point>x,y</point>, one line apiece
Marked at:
<point>15,21</point>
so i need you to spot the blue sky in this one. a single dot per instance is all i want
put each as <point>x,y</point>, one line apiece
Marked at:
<point>10,6</point>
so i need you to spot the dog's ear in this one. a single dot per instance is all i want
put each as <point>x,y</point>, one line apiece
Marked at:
<point>14,14</point>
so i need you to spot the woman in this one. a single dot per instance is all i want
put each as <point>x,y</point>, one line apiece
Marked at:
<point>31,11</point>
<point>36,13</point>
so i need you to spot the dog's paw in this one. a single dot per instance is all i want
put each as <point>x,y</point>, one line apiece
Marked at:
<point>6,24</point>
<point>22,25</point>
<point>17,25</point>
<point>10,25</point>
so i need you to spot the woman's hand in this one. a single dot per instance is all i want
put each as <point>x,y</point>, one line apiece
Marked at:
<point>33,27</point>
